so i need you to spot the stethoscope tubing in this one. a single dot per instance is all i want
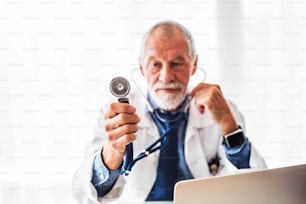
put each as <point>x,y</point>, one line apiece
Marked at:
<point>129,162</point>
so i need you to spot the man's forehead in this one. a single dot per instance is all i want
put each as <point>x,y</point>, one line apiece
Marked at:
<point>173,51</point>
<point>169,47</point>
<point>175,57</point>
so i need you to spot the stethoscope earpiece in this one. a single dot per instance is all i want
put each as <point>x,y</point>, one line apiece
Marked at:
<point>203,73</point>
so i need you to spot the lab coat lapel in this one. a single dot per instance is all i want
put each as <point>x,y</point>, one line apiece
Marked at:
<point>194,151</point>
<point>196,120</point>
<point>146,135</point>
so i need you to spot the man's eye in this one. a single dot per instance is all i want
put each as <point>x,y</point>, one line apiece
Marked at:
<point>156,64</point>
<point>176,64</point>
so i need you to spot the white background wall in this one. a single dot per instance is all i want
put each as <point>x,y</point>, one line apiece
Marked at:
<point>57,58</point>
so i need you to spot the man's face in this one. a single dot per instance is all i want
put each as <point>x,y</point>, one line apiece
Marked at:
<point>167,67</point>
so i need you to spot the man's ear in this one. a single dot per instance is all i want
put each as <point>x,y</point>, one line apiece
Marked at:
<point>195,64</point>
<point>140,66</point>
<point>141,69</point>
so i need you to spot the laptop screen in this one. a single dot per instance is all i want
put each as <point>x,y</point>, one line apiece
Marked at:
<point>286,185</point>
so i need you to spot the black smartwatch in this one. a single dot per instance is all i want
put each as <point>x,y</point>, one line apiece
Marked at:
<point>234,139</point>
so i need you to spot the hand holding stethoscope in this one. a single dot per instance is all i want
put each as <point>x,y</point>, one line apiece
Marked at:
<point>120,126</point>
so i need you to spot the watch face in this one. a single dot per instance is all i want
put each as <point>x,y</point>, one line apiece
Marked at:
<point>234,140</point>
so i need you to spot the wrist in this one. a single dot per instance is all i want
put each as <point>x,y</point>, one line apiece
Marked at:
<point>111,159</point>
<point>229,127</point>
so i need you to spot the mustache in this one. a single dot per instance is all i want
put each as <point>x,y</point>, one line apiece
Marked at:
<point>171,85</point>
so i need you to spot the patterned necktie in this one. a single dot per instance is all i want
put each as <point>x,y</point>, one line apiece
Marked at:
<point>172,165</point>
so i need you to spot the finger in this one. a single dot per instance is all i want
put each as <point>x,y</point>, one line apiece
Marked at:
<point>116,108</point>
<point>200,86</point>
<point>122,130</point>
<point>121,119</point>
<point>121,143</point>
<point>200,101</point>
<point>207,98</point>
<point>124,140</point>
<point>205,87</point>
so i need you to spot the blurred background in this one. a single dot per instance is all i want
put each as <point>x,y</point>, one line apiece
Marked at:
<point>58,57</point>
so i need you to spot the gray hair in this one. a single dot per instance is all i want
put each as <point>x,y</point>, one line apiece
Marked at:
<point>169,25</point>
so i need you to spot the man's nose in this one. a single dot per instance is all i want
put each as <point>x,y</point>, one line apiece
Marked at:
<point>166,74</point>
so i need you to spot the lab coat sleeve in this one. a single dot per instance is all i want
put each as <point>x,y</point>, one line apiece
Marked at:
<point>83,190</point>
<point>256,159</point>
<point>256,162</point>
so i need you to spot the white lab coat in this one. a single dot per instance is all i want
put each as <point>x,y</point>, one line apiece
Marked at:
<point>202,143</point>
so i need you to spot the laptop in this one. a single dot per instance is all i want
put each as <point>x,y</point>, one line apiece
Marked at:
<point>285,185</point>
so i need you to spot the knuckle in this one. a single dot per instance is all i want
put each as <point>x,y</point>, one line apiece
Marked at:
<point>130,138</point>
<point>137,119</point>
<point>125,128</point>
<point>107,115</point>
<point>217,87</point>
<point>214,94</point>
<point>133,137</point>
<point>133,128</point>
<point>110,136</point>
<point>214,88</point>
<point>136,128</point>
<point>121,117</point>
<point>107,127</point>
<point>114,145</point>
<point>112,106</point>
<point>126,139</point>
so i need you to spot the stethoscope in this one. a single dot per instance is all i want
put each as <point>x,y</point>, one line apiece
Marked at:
<point>129,160</point>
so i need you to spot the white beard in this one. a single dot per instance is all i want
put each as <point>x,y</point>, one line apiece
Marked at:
<point>167,101</point>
